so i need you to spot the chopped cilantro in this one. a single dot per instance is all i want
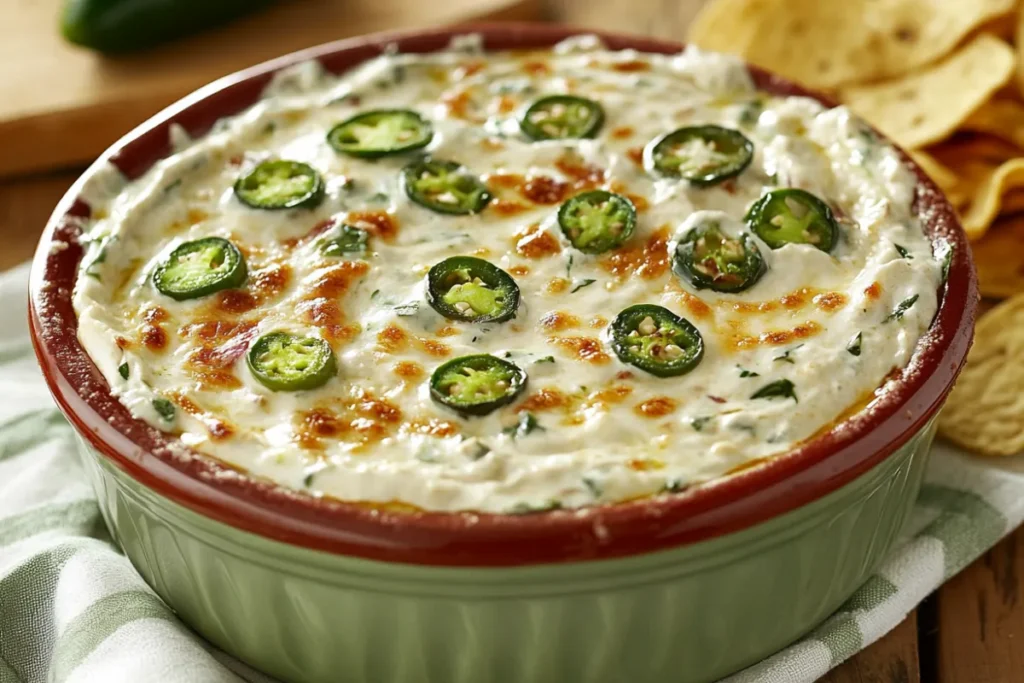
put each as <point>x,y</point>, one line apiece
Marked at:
<point>480,449</point>
<point>751,112</point>
<point>122,370</point>
<point>527,425</point>
<point>583,283</point>
<point>744,373</point>
<point>411,308</point>
<point>903,307</point>
<point>593,486</point>
<point>545,359</point>
<point>853,348</point>
<point>785,357</point>
<point>525,508</point>
<point>781,388</point>
<point>944,252</point>
<point>674,485</point>
<point>902,251</point>
<point>164,408</point>
<point>698,423</point>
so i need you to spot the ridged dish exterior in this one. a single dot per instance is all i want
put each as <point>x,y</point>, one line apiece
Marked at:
<point>686,615</point>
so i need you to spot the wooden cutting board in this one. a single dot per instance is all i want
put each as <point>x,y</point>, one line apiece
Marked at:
<point>61,105</point>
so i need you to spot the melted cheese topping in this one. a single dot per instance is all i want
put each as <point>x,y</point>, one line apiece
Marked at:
<point>603,431</point>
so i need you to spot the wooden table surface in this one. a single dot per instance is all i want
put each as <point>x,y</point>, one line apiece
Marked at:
<point>970,631</point>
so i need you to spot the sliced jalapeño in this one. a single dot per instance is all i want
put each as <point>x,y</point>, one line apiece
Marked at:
<point>381,132</point>
<point>597,221</point>
<point>793,216</point>
<point>702,155</point>
<point>199,268</point>
<point>477,385</point>
<point>562,117</point>
<point>445,187</point>
<point>280,184</point>
<point>656,340</point>
<point>707,258</point>
<point>281,361</point>
<point>469,289</point>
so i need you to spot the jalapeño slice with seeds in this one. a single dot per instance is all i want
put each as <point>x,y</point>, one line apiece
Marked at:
<point>469,289</point>
<point>702,155</point>
<point>381,132</point>
<point>280,184</point>
<point>347,240</point>
<point>562,117</point>
<point>707,258</point>
<point>477,384</point>
<point>597,221</point>
<point>285,362</point>
<point>445,187</point>
<point>656,340</point>
<point>201,267</point>
<point>793,216</point>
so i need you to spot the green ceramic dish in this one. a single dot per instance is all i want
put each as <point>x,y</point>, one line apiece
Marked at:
<point>685,587</point>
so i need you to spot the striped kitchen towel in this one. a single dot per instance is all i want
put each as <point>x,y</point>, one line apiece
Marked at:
<point>73,610</point>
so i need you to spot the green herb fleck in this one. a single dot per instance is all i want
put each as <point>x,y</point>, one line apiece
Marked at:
<point>568,267</point>
<point>674,486</point>
<point>744,373</point>
<point>307,480</point>
<point>411,308</point>
<point>853,348</point>
<point>785,357</point>
<point>593,486</point>
<point>374,295</point>
<point>944,252</point>
<point>545,359</point>
<point>699,423</point>
<point>525,508</point>
<point>172,186</point>
<point>583,283</point>
<point>751,112</point>
<point>781,388</point>
<point>480,449</point>
<point>904,306</point>
<point>164,408</point>
<point>122,370</point>
<point>101,257</point>
<point>527,425</point>
<point>379,198</point>
<point>902,251</point>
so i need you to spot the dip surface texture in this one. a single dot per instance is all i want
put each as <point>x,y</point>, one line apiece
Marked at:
<point>807,338</point>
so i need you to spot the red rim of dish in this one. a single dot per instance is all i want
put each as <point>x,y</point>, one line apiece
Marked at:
<point>161,463</point>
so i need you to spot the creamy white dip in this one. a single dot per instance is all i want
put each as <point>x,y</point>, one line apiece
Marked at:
<point>605,431</point>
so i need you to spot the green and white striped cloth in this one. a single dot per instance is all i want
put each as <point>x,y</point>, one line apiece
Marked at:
<point>73,610</point>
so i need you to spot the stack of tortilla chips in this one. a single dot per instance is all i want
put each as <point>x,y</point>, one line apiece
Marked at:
<point>944,79</point>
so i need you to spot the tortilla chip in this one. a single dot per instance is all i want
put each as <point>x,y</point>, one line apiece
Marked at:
<point>985,411</point>
<point>943,176</point>
<point>988,199</point>
<point>1003,27</point>
<point>999,257</point>
<point>1013,203</point>
<point>1019,42</point>
<point>829,43</point>
<point>928,106</point>
<point>1003,118</point>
